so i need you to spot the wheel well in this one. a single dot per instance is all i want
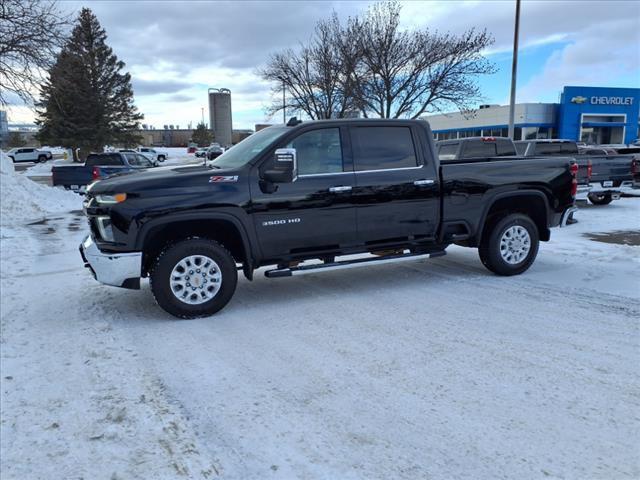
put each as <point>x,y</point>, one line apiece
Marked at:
<point>533,206</point>
<point>222,231</point>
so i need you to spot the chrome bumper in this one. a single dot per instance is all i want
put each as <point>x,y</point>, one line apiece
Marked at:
<point>120,270</point>
<point>623,188</point>
<point>566,215</point>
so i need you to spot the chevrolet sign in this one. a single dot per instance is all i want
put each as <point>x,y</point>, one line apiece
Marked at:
<point>579,99</point>
<point>612,100</point>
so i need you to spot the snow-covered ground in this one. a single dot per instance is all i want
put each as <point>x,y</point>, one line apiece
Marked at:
<point>432,369</point>
<point>22,200</point>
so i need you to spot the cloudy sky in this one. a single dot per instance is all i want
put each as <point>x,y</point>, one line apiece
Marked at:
<point>175,51</point>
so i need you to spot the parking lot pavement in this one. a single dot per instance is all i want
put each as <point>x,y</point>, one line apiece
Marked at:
<point>432,369</point>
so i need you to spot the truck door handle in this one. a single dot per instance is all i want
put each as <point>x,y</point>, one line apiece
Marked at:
<point>422,183</point>
<point>341,188</point>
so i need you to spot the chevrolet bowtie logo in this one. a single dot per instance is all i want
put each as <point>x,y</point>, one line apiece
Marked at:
<point>578,99</point>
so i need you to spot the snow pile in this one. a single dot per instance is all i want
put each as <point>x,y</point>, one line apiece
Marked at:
<point>22,199</point>
<point>44,169</point>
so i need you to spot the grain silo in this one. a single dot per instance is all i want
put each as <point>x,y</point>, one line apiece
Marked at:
<point>220,115</point>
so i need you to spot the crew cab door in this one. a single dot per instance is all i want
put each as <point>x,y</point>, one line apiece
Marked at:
<point>25,155</point>
<point>397,186</point>
<point>315,212</point>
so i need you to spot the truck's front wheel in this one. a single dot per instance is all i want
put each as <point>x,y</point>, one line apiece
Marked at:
<point>194,278</point>
<point>510,245</point>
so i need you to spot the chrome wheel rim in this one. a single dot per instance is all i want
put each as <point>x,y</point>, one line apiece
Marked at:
<point>195,279</point>
<point>515,244</point>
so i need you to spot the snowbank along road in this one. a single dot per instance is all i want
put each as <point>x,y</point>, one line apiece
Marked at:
<point>433,369</point>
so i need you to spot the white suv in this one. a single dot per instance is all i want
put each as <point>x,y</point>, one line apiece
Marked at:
<point>150,152</point>
<point>29,154</point>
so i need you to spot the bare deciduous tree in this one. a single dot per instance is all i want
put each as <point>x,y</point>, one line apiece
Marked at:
<point>373,66</point>
<point>31,32</point>
<point>313,77</point>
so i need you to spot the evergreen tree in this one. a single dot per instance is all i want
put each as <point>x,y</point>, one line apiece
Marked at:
<point>87,101</point>
<point>202,135</point>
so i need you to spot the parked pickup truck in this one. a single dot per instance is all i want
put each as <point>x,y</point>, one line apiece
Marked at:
<point>98,166</point>
<point>302,196</point>
<point>152,153</point>
<point>29,154</point>
<point>610,176</point>
<point>474,148</point>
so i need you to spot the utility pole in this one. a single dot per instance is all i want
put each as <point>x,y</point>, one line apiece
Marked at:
<point>284,106</point>
<point>514,72</point>
<point>202,109</point>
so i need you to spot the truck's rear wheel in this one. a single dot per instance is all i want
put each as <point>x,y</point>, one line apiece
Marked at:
<point>194,278</point>
<point>161,158</point>
<point>42,159</point>
<point>510,245</point>
<point>600,199</point>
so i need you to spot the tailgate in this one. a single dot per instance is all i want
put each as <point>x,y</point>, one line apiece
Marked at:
<point>615,169</point>
<point>71,175</point>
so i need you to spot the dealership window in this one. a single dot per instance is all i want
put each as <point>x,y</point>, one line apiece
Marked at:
<point>533,133</point>
<point>517,133</point>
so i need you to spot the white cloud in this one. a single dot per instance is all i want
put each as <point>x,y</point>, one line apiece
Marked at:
<point>599,55</point>
<point>181,48</point>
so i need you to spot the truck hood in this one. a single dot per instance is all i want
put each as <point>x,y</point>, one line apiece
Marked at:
<point>164,178</point>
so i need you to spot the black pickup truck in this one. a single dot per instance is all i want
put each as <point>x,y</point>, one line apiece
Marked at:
<point>609,176</point>
<point>485,148</point>
<point>96,167</point>
<point>299,196</point>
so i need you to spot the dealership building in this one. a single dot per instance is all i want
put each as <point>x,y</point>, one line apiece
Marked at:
<point>587,114</point>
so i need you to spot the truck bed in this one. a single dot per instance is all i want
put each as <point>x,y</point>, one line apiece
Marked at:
<point>469,186</point>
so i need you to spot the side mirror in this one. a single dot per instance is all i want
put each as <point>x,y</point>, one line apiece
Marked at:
<point>285,168</point>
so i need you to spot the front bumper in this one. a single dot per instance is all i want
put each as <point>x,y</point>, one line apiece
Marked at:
<point>117,269</point>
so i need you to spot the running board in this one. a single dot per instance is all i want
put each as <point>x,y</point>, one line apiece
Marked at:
<point>358,262</point>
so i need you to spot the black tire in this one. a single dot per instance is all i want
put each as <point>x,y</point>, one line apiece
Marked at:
<point>161,158</point>
<point>600,199</point>
<point>42,158</point>
<point>490,247</point>
<point>161,274</point>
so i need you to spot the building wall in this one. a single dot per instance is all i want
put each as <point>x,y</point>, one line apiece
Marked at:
<point>577,102</point>
<point>580,108</point>
<point>493,120</point>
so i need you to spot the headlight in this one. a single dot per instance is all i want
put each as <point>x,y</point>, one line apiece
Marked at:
<point>111,199</point>
<point>104,228</point>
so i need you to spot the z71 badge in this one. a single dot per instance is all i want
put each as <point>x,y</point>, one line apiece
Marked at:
<point>223,178</point>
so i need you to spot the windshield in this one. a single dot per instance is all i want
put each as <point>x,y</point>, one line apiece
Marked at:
<point>249,148</point>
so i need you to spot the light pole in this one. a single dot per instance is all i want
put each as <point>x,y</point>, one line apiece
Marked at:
<point>284,106</point>
<point>514,72</point>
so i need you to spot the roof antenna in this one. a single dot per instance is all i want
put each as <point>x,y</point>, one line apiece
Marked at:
<point>293,121</point>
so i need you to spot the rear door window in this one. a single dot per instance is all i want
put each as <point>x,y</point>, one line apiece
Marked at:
<point>132,159</point>
<point>383,148</point>
<point>479,149</point>
<point>448,151</point>
<point>144,161</point>
<point>107,160</point>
